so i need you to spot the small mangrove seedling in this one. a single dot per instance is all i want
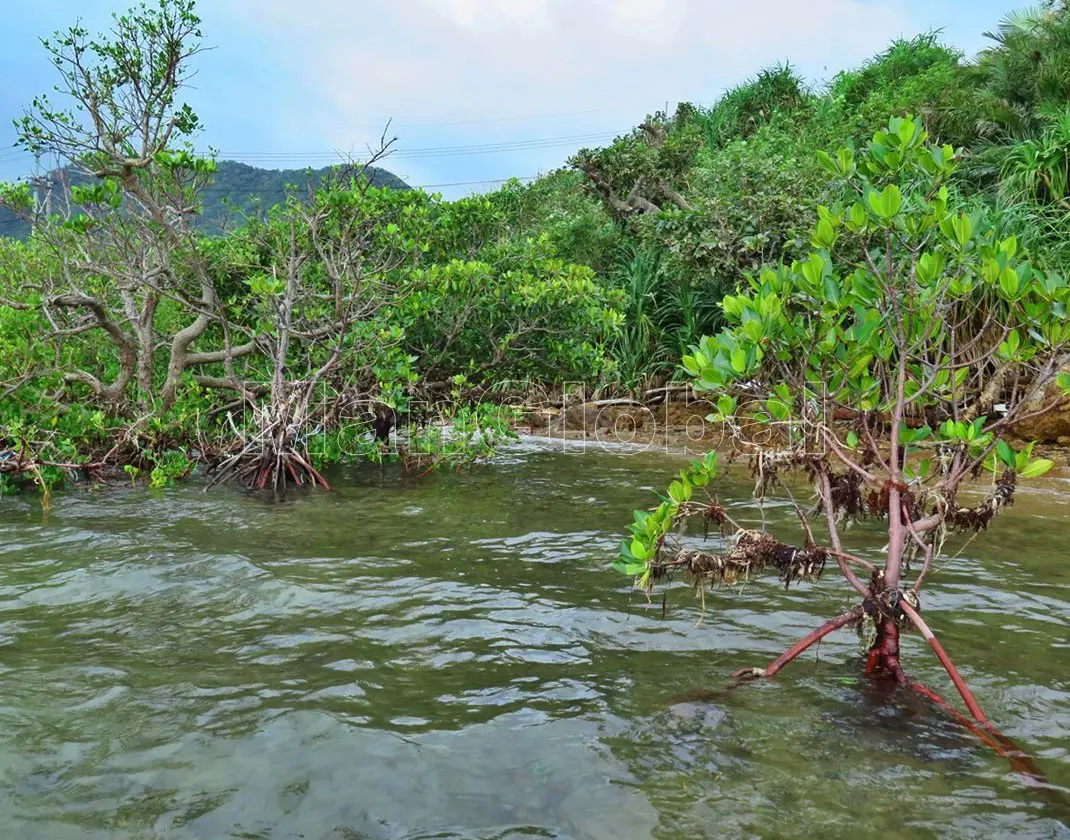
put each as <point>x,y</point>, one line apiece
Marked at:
<point>887,368</point>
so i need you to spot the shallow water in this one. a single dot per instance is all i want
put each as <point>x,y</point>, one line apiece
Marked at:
<point>449,657</point>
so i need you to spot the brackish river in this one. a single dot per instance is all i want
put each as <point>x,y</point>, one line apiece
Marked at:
<point>449,657</point>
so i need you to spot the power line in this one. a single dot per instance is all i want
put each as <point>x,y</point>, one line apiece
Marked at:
<point>433,151</point>
<point>252,192</point>
<point>472,183</point>
<point>517,118</point>
<point>417,153</point>
<point>421,153</point>
<point>485,145</point>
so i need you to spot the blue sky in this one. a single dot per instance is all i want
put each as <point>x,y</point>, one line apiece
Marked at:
<point>290,84</point>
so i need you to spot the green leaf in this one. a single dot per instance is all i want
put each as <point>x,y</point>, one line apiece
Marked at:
<point>963,228</point>
<point>860,365</point>
<point>904,129</point>
<point>852,439</point>
<point>679,492</point>
<point>813,269</point>
<point>930,267</point>
<point>824,235</point>
<point>778,408</point>
<point>921,433</point>
<point>858,215</point>
<point>845,157</point>
<point>887,203</point>
<point>891,200</point>
<point>1008,282</point>
<point>1005,453</point>
<point>832,290</point>
<point>825,159</point>
<point>1037,468</point>
<point>629,569</point>
<point>739,360</point>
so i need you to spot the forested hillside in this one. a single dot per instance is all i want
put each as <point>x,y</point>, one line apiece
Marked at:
<point>237,191</point>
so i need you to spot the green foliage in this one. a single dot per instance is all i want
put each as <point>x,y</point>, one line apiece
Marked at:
<point>464,434</point>
<point>638,347</point>
<point>533,319</point>
<point>888,317</point>
<point>920,76</point>
<point>833,332</point>
<point>606,272</point>
<point>557,206</point>
<point>170,466</point>
<point>1026,68</point>
<point>1037,170</point>
<point>775,91</point>
<point>639,553</point>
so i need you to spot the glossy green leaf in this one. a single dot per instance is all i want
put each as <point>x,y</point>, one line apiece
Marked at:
<point>1037,468</point>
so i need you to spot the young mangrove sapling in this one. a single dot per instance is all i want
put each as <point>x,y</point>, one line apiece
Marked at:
<point>889,366</point>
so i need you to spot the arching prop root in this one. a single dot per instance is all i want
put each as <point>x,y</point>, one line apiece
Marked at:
<point>980,725</point>
<point>945,660</point>
<point>987,733</point>
<point>799,647</point>
<point>883,660</point>
<point>270,458</point>
<point>258,468</point>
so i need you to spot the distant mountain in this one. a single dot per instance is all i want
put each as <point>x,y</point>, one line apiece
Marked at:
<point>235,192</point>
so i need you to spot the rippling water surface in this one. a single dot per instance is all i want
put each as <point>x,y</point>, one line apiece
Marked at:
<point>448,657</point>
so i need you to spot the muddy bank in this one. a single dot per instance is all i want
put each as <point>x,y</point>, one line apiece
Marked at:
<point>672,425</point>
<point>677,426</point>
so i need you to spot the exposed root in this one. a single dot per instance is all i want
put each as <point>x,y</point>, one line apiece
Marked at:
<point>977,518</point>
<point>767,466</point>
<point>884,604</point>
<point>272,457</point>
<point>846,496</point>
<point>714,514</point>
<point>753,552</point>
<point>883,661</point>
<point>877,501</point>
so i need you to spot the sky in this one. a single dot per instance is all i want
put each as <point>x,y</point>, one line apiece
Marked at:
<point>476,91</point>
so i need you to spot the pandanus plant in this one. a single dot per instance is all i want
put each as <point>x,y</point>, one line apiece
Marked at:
<point>887,368</point>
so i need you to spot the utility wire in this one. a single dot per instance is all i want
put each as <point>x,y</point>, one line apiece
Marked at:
<point>242,191</point>
<point>432,152</point>
<point>566,138</point>
<point>478,183</point>
<point>516,117</point>
<point>424,153</point>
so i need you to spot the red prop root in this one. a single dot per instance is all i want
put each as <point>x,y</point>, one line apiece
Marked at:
<point>883,661</point>
<point>799,647</point>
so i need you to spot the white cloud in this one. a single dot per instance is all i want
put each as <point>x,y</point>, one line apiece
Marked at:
<point>447,60</point>
<point>491,15</point>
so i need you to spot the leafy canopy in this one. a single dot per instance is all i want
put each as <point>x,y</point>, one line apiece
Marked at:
<point>909,307</point>
<point>834,330</point>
